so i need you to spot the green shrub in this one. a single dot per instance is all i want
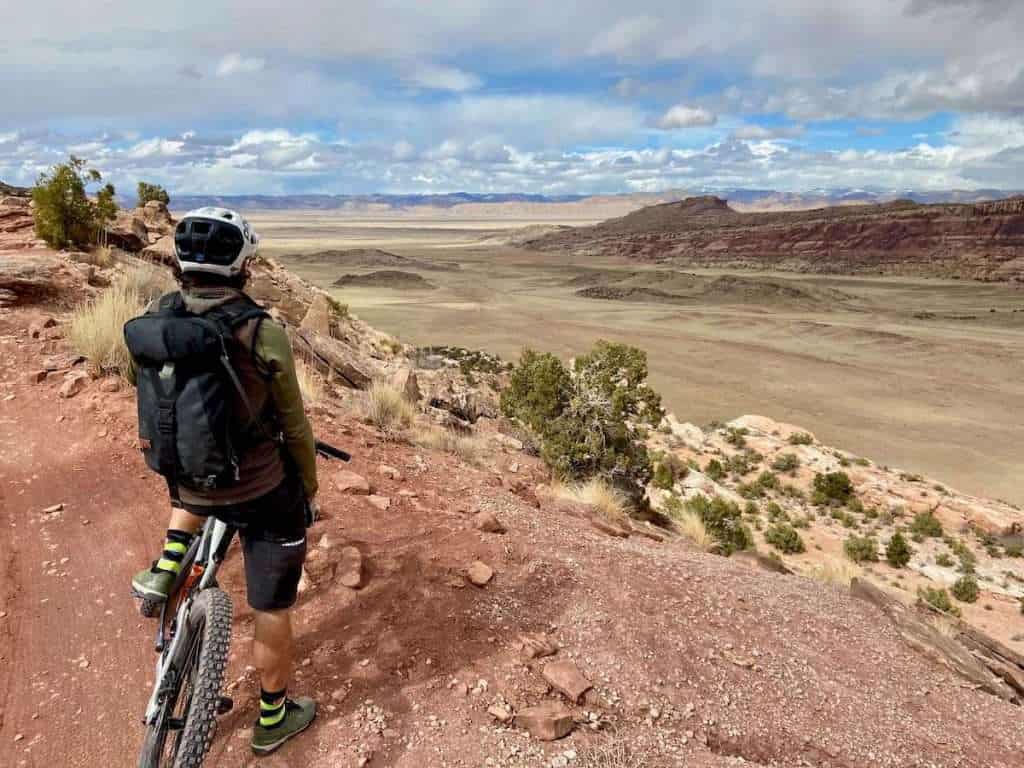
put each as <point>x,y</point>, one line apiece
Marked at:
<point>855,505</point>
<point>737,436</point>
<point>723,520</point>
<point>1015,550</point>
<point>147,192</point>
<point>1021,601</point>
<point>715,470</point>
<point>663,477</point>
<point>775,512</point>
<point>832,488</point>
<point>898,551</point>
<point>802,522</point>
<point>926,524</point>
<point>801,438</point>
<point>741,464</point>
<point>784,538</point>
<point>670,469</point>
<point>786,462</point>
<point>63,213</point>
<point>944,559</point>
<point>938,599</point>
<point>538,392</point>
<point>861,549</point>
<point>965,589</point>
<point>751,509</point>
<point>750,490</point>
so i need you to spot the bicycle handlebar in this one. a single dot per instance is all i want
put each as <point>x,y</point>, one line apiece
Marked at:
<point>329,451</point>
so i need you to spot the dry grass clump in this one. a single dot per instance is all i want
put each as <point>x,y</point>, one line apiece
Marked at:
<point>466,447</point>
<point>617,754</point>
<point>310,384</point>
<point>834,570</point>
<point>611,503</point>
<point>96,329</point>
<point>101,256</point>
<point>387,408</point>
<point>693,528</point>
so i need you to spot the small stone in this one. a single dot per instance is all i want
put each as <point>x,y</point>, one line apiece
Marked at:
<point>19,736</point>
<point>479,573</point>
<point>347,481</point>
<point>501,713</point>
<point>340,695</point>
<point>75,383</point>
<point>383,503</point>
<point>35,377</point>
<point>54,508</point>
<point>390,472</point>
<point>566,678</point>
<point>350,568</point>
<point>110,384</point>
<point>547,722</point>
<point>487,522</point>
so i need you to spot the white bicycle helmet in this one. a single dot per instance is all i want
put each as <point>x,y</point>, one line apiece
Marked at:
<point>214,240</point>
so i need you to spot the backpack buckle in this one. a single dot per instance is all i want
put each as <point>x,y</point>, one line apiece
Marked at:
<point>165,419</point>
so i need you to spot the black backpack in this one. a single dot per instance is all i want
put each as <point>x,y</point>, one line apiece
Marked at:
<point>185,391</point>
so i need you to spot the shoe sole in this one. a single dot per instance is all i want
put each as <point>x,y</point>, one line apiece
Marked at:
<point>147,594</point>
<point>266,750</point>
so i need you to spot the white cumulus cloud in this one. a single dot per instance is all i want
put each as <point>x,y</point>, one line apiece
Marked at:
<point>683,116</point>
<point>236,64</point>
<point>443,79</point>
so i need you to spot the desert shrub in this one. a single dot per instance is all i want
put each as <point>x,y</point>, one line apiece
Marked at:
<point>689,523</point>
<point>385,407</point>
<point>97,328</point>
<point>801,438</point>
<point>792,492</point>
<point>801,522</point>
<point>1014,550</point>
<point>610,502</point>
<point>775,512</point>
<point>834,570</point>
<point>668,470</point>
<point>926,524</point>
<point>466,447</point>
<point>855,505</point>
<point>147,192</point>
<point>737,436</point>
<point>786,462</point>
<point>784,538</point>
<point>751,509</point>
<point>898,551</point>
<point>832,488</point>
<point>1021,601</point>
<point>723,521</point>
<point>715,470</point>
<point>590,420</point>
<point>938,599</point>
<point>63,213</point>
<point>663,477</point>
<point>968,560</point>
<point>861,549</point>
<point>750,490</point>
<point>965,589</point>
<point>944,559</point>
<point>744,463</point>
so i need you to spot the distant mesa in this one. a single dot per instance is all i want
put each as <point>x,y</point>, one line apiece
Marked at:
<point>9,190</point>
<point>386,278</point>
<point>368,258</point>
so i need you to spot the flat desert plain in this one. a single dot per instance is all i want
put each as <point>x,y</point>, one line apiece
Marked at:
<point>920,374</point>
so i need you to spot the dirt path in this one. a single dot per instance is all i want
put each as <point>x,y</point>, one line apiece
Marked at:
<point>73,673</point>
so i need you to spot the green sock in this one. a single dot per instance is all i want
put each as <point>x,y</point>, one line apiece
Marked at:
<point>272,708</point>
<point>175,547</point>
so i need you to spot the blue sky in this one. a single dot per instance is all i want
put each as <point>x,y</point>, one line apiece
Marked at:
<point>530,96</point>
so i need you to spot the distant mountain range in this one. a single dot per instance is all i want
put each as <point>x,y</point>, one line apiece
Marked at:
<point>740,199</point>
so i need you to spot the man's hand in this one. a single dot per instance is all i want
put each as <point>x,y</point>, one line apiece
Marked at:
<point>312,512</point>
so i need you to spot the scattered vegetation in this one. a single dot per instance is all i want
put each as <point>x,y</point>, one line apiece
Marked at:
<point>64,215</point>
<point>715,470</point>
<point>669,470</point>
<point>898,552</point>
<point>965,589</point>
<point>926,524</point>
<point>834,571</point>
<point>471,361</point>
<point>97,328</point>
<point>466,447</point>
<point>610,502</point>
<point>146,192</point>
<point>723,520</point>
<point>861,549</point>
<point>939,599</point>
<point>385,407</point>
<point>737,436</point>
<point>801,438</point>
<point>786,462</point>
<point>690,524</point>
<point>944,559</point>
<point>310,384</point>
<point>832,488</point>
<point>785,538</point>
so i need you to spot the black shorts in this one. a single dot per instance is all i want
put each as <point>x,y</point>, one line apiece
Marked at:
<point>273,533</point>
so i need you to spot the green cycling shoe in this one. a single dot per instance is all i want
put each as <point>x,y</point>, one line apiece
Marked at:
<point>299,714</point>
<point>153,584</point>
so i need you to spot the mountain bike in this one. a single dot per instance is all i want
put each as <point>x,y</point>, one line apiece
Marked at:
<point>192,643</point>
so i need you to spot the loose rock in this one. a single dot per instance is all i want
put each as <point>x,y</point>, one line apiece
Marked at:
<point>382,503</point>
<point>547,722</point>
<point>488,523</point>
<point>566,678</point>
<point>479,573</point>
<point>350,568</point>
<point>74,384</point>
<point>347,481</point>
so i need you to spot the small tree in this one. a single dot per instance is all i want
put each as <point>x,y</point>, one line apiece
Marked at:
<point>832,488</point>
<point>965,589</point>
<point>784,538</point>
<point>898,551</point>
<point>147,192</point>
<point>106,211</point>
<point>64,214</point>
<point>723,520</point>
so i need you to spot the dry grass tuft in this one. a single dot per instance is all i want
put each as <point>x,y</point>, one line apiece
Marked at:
<point>96,329</point>
<point>597,493</point>
<point>616,754</point>
<point>386,407</point>
<point>693,528</point>
<point>466,447</point>
<point>834,570</point>
<point>310,384</point>
<point>150,281</point>
<point>101,256</point>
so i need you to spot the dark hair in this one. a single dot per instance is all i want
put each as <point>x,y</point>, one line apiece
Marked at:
<point>190,280</point>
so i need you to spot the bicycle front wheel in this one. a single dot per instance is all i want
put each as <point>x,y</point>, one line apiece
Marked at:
<point>186,723</point>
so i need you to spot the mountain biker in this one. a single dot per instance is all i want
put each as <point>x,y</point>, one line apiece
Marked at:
<point>275,477</point>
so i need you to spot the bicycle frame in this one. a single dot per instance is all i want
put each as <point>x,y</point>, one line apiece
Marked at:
<point>205,554</point>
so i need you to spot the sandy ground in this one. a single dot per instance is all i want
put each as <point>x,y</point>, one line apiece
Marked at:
<point>935,395</point>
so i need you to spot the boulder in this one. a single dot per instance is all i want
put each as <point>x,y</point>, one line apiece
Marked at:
<point>157,218</point>
<point>547,722</point>
<point>350,568</point>
<point>487,523</point>
<point>35,377</point>
<point>383,503</point>
<point>349,482</point>
<point>479,573</point>
<point>74,383</point>
<point>161,251</point>
<point>128,232</point>
<point>319,316</point>
<point>566,678</point>
<point>27,277</point>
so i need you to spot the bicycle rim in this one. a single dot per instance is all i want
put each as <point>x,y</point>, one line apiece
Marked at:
<point>162,743</point>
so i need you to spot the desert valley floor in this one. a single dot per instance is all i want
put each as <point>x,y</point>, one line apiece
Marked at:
<point>923,374</point>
